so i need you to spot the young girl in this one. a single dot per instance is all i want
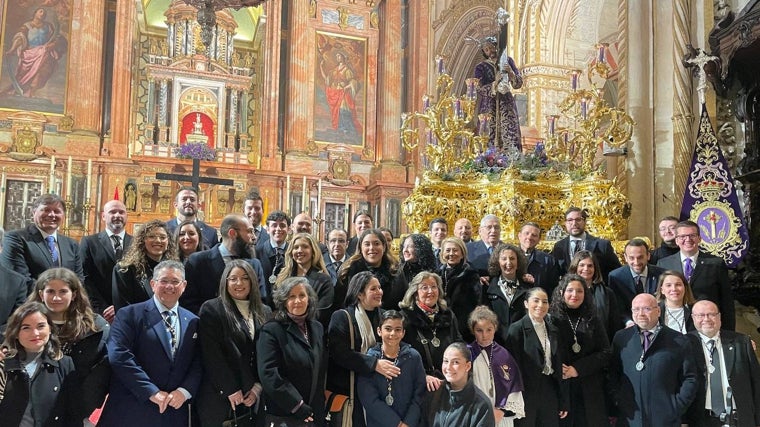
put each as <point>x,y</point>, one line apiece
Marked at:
<point>494,370</point>
<point>393,402</point>
<point>38,374</point>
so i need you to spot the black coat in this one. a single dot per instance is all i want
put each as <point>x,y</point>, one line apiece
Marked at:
<point>292,369</point>
<point>322,285</point>
<point>93,372</point>
<point>229,361</point>
<point>461,288</point>
<point>544,269</point>
<point>419,334</point>
<point>49,391</point>
<point>607,309</point>
<point>392,292</point>
<point>98,260</point>
<point>13,293</point>
<point>128,289</point>
<point>507,313</point>
<point>601,248</point>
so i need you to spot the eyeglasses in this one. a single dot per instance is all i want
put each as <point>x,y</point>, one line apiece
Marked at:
<point>671,228</point>
<point>235,279</point>
<point>333,241</point>
<point>642,309</point>
<point>160,237</point>
<point>428,288</point>
<point>702,316</point>
<point>166,282</point>
<point>574,220</point>
<point>692,236</point>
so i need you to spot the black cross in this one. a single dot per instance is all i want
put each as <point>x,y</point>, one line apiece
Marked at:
<point>196,179</point>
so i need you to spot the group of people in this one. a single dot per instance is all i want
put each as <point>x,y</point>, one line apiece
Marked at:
<point>261,324</point>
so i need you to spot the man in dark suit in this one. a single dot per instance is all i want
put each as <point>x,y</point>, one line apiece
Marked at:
<point>543,269</point>
<point>335,256</point>
<point>186,204</point>
<point>439,230</point>
<point>100,252</point>
<point>706,273</point>
<point>724,359</point>
<point>653,375</point>
<point>155,356</point>
<point>204,269</point>
<point>13,293</point>
<point>272,252</point>
<point>667,229</point>
<point>302,224</point>
<point>479,252</point>
<point>635,278</point>
<point>253,208</point>
<point>362,221</point>
<point>38,247</point>
<point>579,239</point>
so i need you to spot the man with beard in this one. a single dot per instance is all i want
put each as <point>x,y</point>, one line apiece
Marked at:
<point>579,239</point>
<point>100,252</point>
<point>253,208</point>
<point>204,269</point>
<point>186,204</point>
<point>668,233</point>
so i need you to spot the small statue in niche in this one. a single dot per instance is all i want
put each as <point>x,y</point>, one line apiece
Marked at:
<point>130,197</point>
<point>198,125</point>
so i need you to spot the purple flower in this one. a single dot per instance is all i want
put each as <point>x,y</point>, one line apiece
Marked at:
<point>196,150</point>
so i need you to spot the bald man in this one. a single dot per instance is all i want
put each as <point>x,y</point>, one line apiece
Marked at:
<point>653,374</point>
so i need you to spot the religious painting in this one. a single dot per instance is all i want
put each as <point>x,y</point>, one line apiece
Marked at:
<point>340,89</point>
<point>34,56</point>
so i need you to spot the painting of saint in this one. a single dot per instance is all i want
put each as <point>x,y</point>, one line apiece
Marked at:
<point>34,58</point>
<point>340,90</point>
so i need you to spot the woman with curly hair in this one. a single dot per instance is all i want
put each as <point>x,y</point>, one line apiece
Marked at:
<point>82,335</point>
<point>303,258</point>
<point>505,294</point>
<point>372,254</point>
<point>584,343</point>
<point>38,374</point>
<point>461,283</point>
<point>189,239</point>
<point>131,275</point>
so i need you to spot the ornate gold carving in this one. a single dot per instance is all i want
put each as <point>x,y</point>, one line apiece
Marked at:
<point>311,147</point>
<point>66,124</point>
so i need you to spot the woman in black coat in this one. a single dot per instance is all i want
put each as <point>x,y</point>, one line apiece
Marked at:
<point>291,357</point>
<point>585,264</point>
<point>584,342</point>
<point>363,308</point>
<point>461,283</point>
<point>416,256</point>
<point>229,328</point>
<point>38,375</point>
<point>506,292</point>
<point>430,325</point>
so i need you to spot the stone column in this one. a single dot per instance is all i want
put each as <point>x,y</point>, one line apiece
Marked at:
<point>299,70</point>
<point>122,79</point>
<point>270,120</point>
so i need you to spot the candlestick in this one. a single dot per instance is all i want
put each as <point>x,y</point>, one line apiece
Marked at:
<point>319,197</point>
<point>68,179</point>
<point>51,181</point>
<point>304,196</point>
<point>345,214</point>
<point>89,179</point>
<point>287,195</point>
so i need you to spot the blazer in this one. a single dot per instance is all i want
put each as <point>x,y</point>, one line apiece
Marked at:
<point>478,256</point>
<point>545,270</point>
<point>142,365</point>
<point>13,293</point>
<point>210,236</point>
<point>743,377</point>
<point>709,280</point>
<point>203,271</point>
<point>601,248</point>
<point>267,256</point>
<point>26,252</point>
<point>507,313</point>
<point>622,285</point>
<point>292,369</point>
<point>461,288</point>
<point>128,289</point>
<point>229,361</point>
<point>98,259</point>
<point>686,315</point>
<point>660,393</point>
<point>322,285</point>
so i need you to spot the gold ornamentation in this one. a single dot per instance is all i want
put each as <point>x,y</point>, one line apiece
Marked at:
<point>66,124</point>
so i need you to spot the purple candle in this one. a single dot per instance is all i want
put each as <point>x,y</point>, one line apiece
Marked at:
<point>574,80</point>
<point>425,102</point>
<point>550,121</point>
<point>439,62</point>
<point>584,105</point>
<point>457,108</point>
<point>601,52</point>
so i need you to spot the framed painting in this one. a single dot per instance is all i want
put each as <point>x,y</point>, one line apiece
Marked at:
<point>340,89</point>
<point>33,67</point>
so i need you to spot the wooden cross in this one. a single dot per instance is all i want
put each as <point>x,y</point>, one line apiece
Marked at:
<point>195,178</point>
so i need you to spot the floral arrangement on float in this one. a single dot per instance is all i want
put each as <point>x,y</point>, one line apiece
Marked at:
<point>196,150</point>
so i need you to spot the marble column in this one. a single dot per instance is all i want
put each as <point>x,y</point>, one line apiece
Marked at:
<point>270,120</point>
<point>118,145</point>
<point>389,90</point>
<point>300,69</point>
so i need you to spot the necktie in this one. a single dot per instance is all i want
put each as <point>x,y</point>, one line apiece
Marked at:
<point>337,265</point>
<point>639,285</point>
<point>437,252</point>
<point>117,249</point>
<point>490,250</point>
<point>716,380</point>
<point>575,246</point>
<point>688,268</point>
<point>53,249</point>
<point>647,340</point>
<point>170,329</point>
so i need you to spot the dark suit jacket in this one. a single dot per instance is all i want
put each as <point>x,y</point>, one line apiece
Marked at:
<point>545,270</point>
<point>743,376</point>
<point>659,394</point>
<point>98,260</point>
<point>292,369</point>
<point>203,271</point>
<point>507,313</point>
<point>351,249</point>
<point>13,292</point>
<point>128,289</point>
<point>267,255</point>
<point>210,237</point>
<point>478,256</point>
<point>709,280</point>
<point>141,362</point>
<point>229,361</point>
<point>26,252</point>
<point>621,283</point>
<point>601,248</point>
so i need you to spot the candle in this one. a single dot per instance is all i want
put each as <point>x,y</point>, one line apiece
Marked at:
<point>319,197</point>
<point>439,64</point>
<point>287,194</point>
<point>471,88</point>
<point>584,107</point>
<point>51,181</point>
<point>429,139</point>
<point>345,214</point>
<point>304,196</point>
<point>457,108</point>
<point>68,180</point>
<point>574,80</point>
<point>89,180</point>
<point>425,102</point>
<point>483,117</point>
<point>550,121</point>
<point>602,48</point>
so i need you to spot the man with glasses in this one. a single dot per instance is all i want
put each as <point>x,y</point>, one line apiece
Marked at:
<point>337,242</point>
<point>706,273</point>
<point>724,359</point>
<point>667,229</point>
<point>653,374</point>
<point>479,252</point>
<point>204,269</point>
<point>154,355</point>
<point>579,239</point>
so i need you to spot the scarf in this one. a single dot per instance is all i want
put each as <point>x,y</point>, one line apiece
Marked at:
<point>365,329</point>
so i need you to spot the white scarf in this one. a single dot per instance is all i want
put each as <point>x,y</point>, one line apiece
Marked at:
<point>365,329</point>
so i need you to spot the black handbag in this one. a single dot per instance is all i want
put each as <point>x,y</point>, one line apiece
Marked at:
<point>244,420</point>
<point>340,408</point>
